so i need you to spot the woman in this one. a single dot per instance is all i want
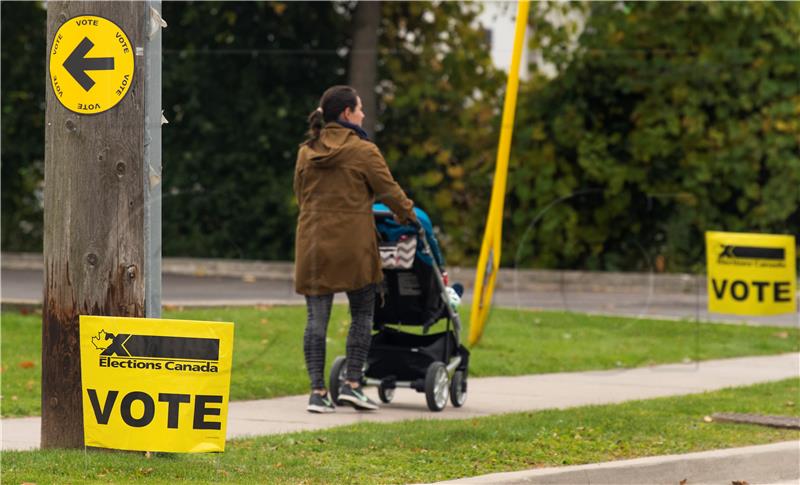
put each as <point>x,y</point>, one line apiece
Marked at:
<point>338,175</point>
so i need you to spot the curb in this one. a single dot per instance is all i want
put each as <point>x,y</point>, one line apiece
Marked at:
<point>776,462</point>
<point>33,305</point>
<point>523,279</point>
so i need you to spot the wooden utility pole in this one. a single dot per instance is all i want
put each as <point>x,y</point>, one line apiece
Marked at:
<point>102,187</point>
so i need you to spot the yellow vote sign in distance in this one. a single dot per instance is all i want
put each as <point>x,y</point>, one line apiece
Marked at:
<point>155,385</point>
<point>751,274</point>
<point>91,64</point>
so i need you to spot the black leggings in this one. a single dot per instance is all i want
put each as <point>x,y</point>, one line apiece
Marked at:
<point>362,307</point>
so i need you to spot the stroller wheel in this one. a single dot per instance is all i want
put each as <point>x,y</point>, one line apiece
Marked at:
<point>458,389</point>
<point>436,386</point>
<point>337,377</point>
<point>385,394</point>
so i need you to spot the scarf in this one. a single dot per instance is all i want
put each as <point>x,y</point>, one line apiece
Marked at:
<point>359,131</point>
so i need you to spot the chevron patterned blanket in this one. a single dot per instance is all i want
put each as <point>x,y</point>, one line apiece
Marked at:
<point>398,254</point>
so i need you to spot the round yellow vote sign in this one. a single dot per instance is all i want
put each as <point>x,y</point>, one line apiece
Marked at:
<point>91,64</point>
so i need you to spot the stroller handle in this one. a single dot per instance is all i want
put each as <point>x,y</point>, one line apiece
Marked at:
<point>416,225</point>
<point>390,215</point>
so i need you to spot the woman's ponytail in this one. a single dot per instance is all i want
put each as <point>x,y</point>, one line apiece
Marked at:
<point>315,124</point>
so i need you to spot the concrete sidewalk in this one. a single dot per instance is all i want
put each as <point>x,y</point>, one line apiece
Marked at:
<point>488,396</point>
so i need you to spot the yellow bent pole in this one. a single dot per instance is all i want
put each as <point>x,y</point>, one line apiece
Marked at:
<point>489,259</point>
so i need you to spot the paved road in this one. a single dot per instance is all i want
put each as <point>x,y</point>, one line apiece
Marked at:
<point>180,290</point>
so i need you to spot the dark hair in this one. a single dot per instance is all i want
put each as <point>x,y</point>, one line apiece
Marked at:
<point>332,103</point>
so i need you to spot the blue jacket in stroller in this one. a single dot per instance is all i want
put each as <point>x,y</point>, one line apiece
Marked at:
<point>394,231</point>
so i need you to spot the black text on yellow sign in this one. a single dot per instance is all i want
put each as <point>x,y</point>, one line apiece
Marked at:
<point>91,64</point>
<point>751,274</point>
<point>155,385</point>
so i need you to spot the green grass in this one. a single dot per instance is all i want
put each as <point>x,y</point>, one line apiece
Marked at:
<point>268,355</point>
<point>425,451</point>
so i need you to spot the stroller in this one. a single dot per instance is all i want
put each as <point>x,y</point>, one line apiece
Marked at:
<point>413,293</point>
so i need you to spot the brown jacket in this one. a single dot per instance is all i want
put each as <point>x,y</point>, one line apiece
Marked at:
<point>336,180</point>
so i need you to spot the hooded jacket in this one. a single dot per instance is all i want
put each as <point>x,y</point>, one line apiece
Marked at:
<point>336,180</point>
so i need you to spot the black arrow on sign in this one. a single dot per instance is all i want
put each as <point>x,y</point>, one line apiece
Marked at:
<point>77,64</point>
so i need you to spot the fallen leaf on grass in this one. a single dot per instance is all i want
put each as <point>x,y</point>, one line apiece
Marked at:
<point>263,307</point>
<point>145,471</point>
<point>708,419</point>
<point>790,403</point>
<point>264,321</point>
<point>27,364</point>
<point>29,385</point>
<point>14,398</point>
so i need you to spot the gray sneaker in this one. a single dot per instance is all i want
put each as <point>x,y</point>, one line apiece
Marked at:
<point>318,403</point>
<point>356,398</point>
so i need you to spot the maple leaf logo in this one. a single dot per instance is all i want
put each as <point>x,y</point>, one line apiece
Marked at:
<point>99,342</point>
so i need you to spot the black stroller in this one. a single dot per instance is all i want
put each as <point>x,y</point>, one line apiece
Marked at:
<point>413,294</point>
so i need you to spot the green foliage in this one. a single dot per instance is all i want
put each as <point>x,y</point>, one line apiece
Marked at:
<point>440,99</point>
<point>23,103</point>
<point>661,120</point>
<point>669,119</point>
<point>239,79</point>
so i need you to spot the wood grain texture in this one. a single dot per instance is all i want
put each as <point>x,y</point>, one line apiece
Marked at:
<point>93,220</point>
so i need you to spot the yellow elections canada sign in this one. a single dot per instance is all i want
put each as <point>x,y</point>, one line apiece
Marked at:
<point>91,64</point>
<point>155,385</point>
<point>751,274</point>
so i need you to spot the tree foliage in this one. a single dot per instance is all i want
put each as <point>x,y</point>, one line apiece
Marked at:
<point>23,55</point>
<point>440,97</point>
<point>658,121</point>
<point>257,69</point>
<point>664,120</point>
<point>239,80</point>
